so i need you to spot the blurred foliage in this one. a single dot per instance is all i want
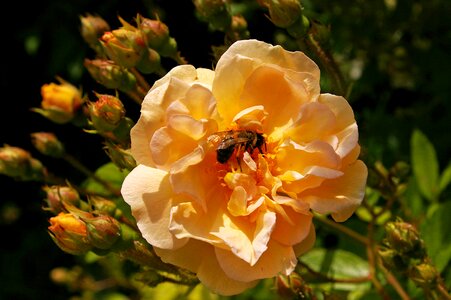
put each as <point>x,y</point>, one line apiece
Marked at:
<point>394,53</point>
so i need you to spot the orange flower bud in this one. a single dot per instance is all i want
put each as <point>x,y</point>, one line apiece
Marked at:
<point>19,164</point>
<point>106,112</point>
<point>110,75</point>
<point>47,143</point>
<point>69,233</point>
<point>92,28</point>
<point>57,196</point>
<point>60,102</point>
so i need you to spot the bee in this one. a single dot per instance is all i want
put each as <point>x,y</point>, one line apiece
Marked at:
<point>238,141</point>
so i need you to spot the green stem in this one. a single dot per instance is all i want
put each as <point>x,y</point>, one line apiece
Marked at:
<point>351,233</point>
<point>141,80</point>
<point>83,169</point>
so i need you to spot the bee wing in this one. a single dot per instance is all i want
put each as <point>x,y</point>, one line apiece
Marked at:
<point>232,141</point>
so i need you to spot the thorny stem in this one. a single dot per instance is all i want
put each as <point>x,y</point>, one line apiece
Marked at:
<point>394,282</point>
<point>83,169</point>
<point>372,263</point>
<point>329,63</point>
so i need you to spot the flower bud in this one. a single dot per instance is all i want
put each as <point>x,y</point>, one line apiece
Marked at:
<point>155,32</point>
<point>103,205</point>
<point>69,233</point>
<point>122,158</point>
<point>19,164</point>
<point>58,196</point>
<point>392,260</point>
<point>60,102</point>
<point>424,275</point>
<point>150,62</point>
<point>47,143</point>
<point>121,134</point>
<point>106,112</point>
<point>103,231</point>
<point>110,75</point>
<point>92,28</point>
<point>292,286</point>
<point>214,12</point>
<point>404,238</point>
<point>123,46</point>
<point>284,13</point>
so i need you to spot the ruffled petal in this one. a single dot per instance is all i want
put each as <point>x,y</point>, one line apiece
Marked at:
<point>149,194</point>
<point>200,258</point>
<point>276,259</point>
<point>339,196</point>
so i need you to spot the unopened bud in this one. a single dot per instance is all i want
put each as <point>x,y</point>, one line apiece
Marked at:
<point>404,238</point>
<point>215,12</point>
<point>92,28</point>
<point>103,231</point>
<point>392,260</point>
<point>122,158</point>
<point>155,32</point>
<point>58,196</point>
<point>47,143</point>
<point>124,46</point>
<point>104,206</point>
<point>284,13</point>
<point>424,275</point>
<point>17,163</point>
<point>110,75</point>
<point>150,62</point>
<point>69,233</point>
<point>60,102</point>
<point>106,112</point>
<point>121,133</point>
<point>292,286</point>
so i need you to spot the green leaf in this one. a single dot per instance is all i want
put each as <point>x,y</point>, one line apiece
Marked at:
<point>338,264</point>
<point>445,178</point>
<point>110,173</point>
<point>435,234</point>
<point>425,165</point>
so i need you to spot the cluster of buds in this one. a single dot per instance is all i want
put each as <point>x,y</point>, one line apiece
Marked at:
<point>61,102</point>
<point>79,226</point>
<point>404,251</point>
<point>17,163</point>
<point>217,13</point>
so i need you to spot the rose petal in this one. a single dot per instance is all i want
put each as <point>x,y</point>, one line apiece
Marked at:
<point>276,259</point>
<point>200,258</point>
<point>339,196</point>
<point>307,243</point>
<point>149,194</point>
<point>294,232</point>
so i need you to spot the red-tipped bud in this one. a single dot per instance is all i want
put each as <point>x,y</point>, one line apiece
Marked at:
<point>47,143</point>
<point>19,164</point>
<point>155,32</point>
<point>106,113</point>
<point>103,231</point>
<point>60,102</point>
<point>58,196</point>
<point>69,233</point>
<point>123,46</point>
<point>110,75</point>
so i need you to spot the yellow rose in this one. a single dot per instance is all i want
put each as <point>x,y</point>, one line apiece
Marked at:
<point>231,162</point>
<point>60,101</point>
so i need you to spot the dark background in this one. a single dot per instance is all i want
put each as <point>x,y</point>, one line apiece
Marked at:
<point>405,84</point>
